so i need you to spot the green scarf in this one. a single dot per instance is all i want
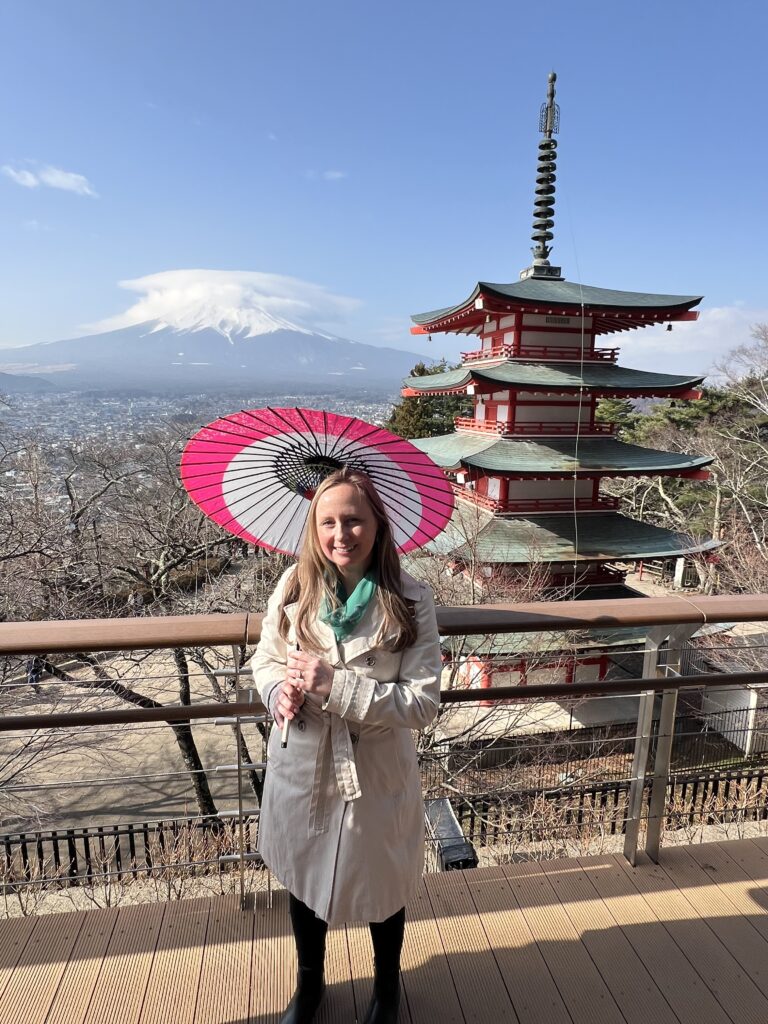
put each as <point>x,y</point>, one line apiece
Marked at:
<point>343,619</point>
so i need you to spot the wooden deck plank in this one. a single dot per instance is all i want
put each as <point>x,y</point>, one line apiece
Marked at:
<point>531,988</point>
<point>622,970</point>
<point>338,1005</point>
<point>74,993</point>
<point>174,977</point>
<point>470,957</point>
<point>570,942</point>
<point>14,935</point>
<point>273,968</point>
<point>126,966</point>
<point>28,996</point>
<point>714,905</point>
<point>684,990</point>
<point>724,872</point>
<point>580,983</point>
<point>225,977</point>
<point>750,855</point>
<point>736,993</point>
<point>425,975</point>
<point>361,967</point>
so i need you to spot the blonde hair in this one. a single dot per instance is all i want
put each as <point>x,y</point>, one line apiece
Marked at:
<point>315,577</point>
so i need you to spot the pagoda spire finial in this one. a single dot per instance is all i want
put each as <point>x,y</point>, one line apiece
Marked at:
<point>544,203</point>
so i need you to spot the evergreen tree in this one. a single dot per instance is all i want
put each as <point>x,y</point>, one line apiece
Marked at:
<point>620,411</point>
<point>427,416</point>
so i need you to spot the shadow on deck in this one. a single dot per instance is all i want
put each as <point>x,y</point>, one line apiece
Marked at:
<point>581,941</point>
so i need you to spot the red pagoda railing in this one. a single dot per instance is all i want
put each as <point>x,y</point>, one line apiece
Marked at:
<point>532,428</point>
<point>569,353</point>
<point>537,505</point>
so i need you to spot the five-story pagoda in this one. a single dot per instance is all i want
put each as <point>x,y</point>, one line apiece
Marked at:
<point>529,461</point>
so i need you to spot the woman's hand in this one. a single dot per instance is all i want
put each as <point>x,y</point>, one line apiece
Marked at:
<point>287,702</point>
<point>312,675</point>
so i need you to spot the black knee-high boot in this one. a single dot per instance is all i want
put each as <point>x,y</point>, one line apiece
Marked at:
<point>387,944</point>
<point>309,932</point>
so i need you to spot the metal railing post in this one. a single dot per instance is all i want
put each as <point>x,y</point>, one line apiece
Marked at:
<point>655,638</point>
<point>238,741</point>
<point>663,759</point>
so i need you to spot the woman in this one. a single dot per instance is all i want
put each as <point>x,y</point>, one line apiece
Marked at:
<point>349,654</point>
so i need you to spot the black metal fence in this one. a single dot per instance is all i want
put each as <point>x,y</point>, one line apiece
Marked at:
<point>583,813</point>
<point>121,851</point>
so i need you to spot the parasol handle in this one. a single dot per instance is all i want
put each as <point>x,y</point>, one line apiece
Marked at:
<point>286,725</point>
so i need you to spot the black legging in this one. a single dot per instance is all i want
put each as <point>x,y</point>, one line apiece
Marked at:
<point>310,932</point>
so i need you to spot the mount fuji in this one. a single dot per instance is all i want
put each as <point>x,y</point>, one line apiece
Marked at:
<point>162,358</point>
<point>203,330</point>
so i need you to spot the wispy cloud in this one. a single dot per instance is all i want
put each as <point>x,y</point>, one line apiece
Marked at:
<point>35,225</point>
<point>50,177</point>
<point>313,175</point>
<point>692,347</point>
<point>24,178</point>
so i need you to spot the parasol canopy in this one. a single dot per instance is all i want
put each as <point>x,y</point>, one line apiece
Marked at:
<point>255,472</point>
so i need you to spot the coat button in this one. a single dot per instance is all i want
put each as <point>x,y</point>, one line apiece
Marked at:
<point>370,660</point>
<point>301,724</point>
<point>354,737</point>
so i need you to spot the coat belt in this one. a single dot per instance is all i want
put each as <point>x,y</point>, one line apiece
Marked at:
<point>334,750</point>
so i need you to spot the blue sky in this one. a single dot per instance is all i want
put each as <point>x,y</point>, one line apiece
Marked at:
<point>384,152</point>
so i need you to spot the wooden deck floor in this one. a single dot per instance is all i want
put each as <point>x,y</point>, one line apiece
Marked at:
<point>588,941</point>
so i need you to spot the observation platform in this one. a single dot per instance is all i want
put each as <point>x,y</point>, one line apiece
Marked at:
<point>578,941</point>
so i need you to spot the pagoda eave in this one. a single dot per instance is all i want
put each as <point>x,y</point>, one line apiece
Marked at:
<point>608,473</point>
<point>553,458</point>
<point>477,535</point>
<point>476,388</point>
<point>470,316</point>
<point>553,378</point>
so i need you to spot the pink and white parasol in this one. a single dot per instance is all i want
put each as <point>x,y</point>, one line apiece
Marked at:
<point>255,472</point>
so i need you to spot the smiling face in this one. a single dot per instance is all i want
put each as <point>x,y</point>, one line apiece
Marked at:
<point>346,531</point>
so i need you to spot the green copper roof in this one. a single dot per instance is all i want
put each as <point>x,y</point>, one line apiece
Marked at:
<point>536,376</point>
<point>476,534</point>
<point>553,455</point>
<point>565,293</point>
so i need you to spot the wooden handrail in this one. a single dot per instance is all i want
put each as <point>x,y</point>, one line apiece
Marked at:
<point>148,632</point>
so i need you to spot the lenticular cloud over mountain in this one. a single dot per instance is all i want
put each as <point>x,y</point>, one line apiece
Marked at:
<point>193,330</point>
<point>243,303</point>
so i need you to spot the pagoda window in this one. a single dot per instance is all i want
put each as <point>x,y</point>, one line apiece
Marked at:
<point>553,322</point>
<point>494,487</point>
<point>507,321</point>
<point>550,490</point>
<point>480,411</point>
<point>502,413</point>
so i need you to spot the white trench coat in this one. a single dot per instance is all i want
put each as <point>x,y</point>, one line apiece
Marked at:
<point>342,817</point>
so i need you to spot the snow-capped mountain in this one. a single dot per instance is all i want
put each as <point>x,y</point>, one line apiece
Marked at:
<point>205,329</point>
<point>201,356</point>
